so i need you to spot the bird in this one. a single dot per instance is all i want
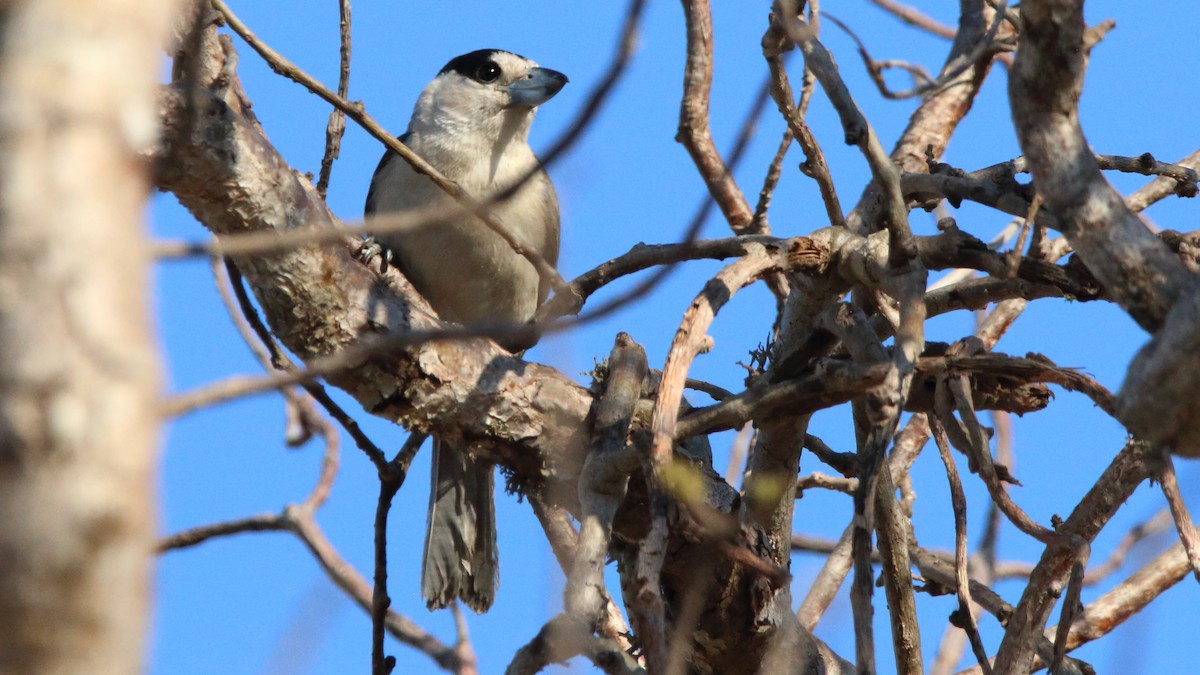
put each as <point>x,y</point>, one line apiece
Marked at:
<point>472,123</point>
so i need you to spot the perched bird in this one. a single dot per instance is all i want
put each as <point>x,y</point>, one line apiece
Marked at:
<point>471,123</point>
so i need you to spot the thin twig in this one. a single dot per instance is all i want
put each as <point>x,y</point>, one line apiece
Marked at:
<point>1127,598</point>
<point>280,360</point>
<point>922,81</point>
<point>381,664</point>
<point>830,383</point>
<point>717,393</point>
<point>468,664</point>
<point>941,572</point>
<point>1071,604</point>
<point>958,500</point>
<point>641,257</point>
<point>299,520</point>
<point>815,166</point>
<point>771,179</point>
<point>391,479</point>
<point>845,463</point>
<point>1161,186</point>
<point>1014,256</point>
<point>858,132</point>
<point>1004,570</point>
<point>820,480</point>
<point>1094,510</point>
<point>953,394</point>
<point>1179,513</point>
<point>694,131</point>
<point>913,17</point>
<point>983,563</point>
<point>738,450</point>
<point>1143,530</point>
<point>337,118</point>
<point>267,522</point>
<point>1183,173</point>
<point>837,565</point>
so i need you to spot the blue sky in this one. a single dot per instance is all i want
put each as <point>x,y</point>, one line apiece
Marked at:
<point>258,603</point>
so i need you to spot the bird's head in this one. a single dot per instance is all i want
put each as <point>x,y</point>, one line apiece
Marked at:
<point>484,90</point>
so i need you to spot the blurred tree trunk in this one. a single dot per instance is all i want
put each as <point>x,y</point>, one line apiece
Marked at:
<point>77,375</point>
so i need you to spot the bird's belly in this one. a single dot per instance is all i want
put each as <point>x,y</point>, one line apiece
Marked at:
<point>469,274</point>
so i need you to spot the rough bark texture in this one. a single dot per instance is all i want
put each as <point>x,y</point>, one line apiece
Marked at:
<point>1047,78</point>
<point>1118,482</point>
<point>77,399</point>
<point>1160,398</point>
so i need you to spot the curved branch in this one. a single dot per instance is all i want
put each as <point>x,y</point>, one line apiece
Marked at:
<point>1044,88</point>
<point>694,131</point>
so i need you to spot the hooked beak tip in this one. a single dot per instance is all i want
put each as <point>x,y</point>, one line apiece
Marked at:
<point>538,87</point>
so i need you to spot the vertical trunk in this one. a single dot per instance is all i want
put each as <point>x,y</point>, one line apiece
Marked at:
<point>77,373</point>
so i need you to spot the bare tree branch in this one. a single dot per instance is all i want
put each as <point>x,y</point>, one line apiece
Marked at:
<point>940,111</point>
<point>1044,87</point>
<point>913,17</point>
<point>299,520</point>
<point>965,615</point>
<point>337,118</point>
<point>1179,513</point>
<point>894,217</point>
<point>694,131</point>
<point>1110,491</point>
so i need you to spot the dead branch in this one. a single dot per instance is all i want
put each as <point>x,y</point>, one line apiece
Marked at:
<point>1045,83</point>
<point>694,131</point>
<point>937,117</point>
<point>601,490</point>
<point>1179,513</point>
<point>815,166</point>
<point>894,217</point>
<point>965,617</point>
<point>1110,491</point>
<point>299,520</point>
<point>337,118</point>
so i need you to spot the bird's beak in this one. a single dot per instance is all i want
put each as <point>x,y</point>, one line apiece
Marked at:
<point>536,88</point>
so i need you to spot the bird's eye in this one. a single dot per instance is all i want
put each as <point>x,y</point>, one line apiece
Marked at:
<point>488,72</point>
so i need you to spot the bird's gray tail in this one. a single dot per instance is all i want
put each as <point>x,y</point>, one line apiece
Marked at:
<point>461,559</point>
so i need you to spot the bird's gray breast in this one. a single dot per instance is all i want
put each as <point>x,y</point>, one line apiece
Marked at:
<point>465,270</point>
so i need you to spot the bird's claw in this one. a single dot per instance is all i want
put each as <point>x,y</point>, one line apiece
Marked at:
<point>370,249</point>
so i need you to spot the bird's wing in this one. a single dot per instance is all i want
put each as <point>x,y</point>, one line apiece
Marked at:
<point>389,156</point>
<point>548,207</point>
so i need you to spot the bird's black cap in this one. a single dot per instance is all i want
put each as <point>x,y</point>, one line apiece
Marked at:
<point>469,64</point>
